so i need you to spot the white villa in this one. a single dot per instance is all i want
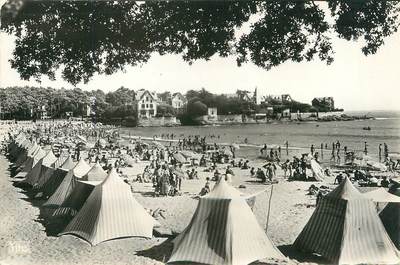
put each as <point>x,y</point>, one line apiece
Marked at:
<point>146,103</point>
<point>178,101</point>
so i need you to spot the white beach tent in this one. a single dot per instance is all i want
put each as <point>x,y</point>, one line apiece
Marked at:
<point>223,231</point>
<point>111,212</point>
<point>81,191</point>
<point>31,152</point>
<point>317,170</point>
<point>33,176</point>
<point>381,195</point>
<point>345,229</point>
<point>48,171</point>
<point>67,184</point>
<point>22,158</point>
<point>52,180</point>
<point>31,162</point>
<point>96,173</point>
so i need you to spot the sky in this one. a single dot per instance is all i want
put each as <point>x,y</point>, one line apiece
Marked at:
<point>356,81</point>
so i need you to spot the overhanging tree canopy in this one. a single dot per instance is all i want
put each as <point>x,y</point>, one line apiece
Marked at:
<point>82,38</point>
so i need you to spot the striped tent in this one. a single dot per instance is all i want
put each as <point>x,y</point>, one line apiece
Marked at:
<point>67,185</point>
<point>30,153</point>
<point>52,180</point>
<point>111,212</point>
<point>96,173</point>
<point>74,202</point>
<point>345,229</point>
<point>34,175</point>
<point>31,162</point>
<point>22,158</point>
<point>223,230</point>
<point>60,160</point>
<point>48,172</point>
<point>390,217</point>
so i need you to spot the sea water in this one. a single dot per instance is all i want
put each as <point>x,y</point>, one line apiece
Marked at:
<point>385,128</point>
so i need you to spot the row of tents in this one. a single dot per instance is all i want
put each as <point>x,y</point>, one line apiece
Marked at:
<point>345,228</point>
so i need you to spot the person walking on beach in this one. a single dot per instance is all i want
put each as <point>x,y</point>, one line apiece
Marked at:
<point>380,152</point>
<point>365,148</point>
<point>385,151</point>
<point>322,150</point>
<point>287,147</point>
<point>312,149</point>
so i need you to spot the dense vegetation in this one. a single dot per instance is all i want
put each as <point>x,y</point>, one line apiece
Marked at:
<point>82,38</point>
<point>118,107</point>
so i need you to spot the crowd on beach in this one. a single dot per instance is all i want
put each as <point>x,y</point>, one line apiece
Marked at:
<point>169,164</point>
<point>172,162</point>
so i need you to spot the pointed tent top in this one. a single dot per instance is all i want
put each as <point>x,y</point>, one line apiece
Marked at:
<point>33,148</point>
<point>81,168</point>
<point>49,159</point>
<point>381,195</point>
<point>96,173</point>
<point>222,190</point>
<point>345,191</point>
<point>60,160</point>
<point>39,154</point>
<point>68,163</point>
<point>112,177</point>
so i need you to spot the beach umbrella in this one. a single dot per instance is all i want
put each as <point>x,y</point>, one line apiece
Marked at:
<point>179,157</point>
<point>187,154</point>
<point>228,152</point>
<point>81,138</point>
<point>102,142</point>
<point>158,144</point>
<point>236,146</point>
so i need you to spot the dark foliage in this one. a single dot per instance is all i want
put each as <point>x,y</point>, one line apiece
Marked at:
<point>83,38</point>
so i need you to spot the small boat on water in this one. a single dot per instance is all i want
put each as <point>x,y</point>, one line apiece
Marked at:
<point>367,128</point>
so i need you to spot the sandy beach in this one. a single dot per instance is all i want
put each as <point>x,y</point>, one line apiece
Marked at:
<point>26,236</point>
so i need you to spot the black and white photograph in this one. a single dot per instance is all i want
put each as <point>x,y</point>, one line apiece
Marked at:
<point>199,132</point>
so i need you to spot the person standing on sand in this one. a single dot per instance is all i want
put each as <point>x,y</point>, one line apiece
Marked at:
<point>287,147</point>
<point>380,152</point>
<point>365,148</point>
<point>312,149</point>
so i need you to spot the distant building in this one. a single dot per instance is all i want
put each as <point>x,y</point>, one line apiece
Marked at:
<point>286,113</point>
<point>278,99</point>
<point>286,98</point>
<point>146,103</point>
<point>42,113</point>
<point>323,103</point>
<point>212,114</point>
<point>178,101</point>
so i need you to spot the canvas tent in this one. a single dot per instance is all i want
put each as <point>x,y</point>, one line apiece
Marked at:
<point>81,191</point>
<point>96,173</point>
<point>381,195</point>
<point>31,162</point>
<point>223,230</point>
<point>316,169</point>
<point>345,229</point>
<point>34,175</point>
<point>390,217</point>
<point>74,202</point>
<point>29,151</point>
<point>67,184</point>
<point>52,180</point>
<point>111,212</point>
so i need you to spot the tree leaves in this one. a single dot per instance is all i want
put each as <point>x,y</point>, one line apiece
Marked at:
<point>84,38</point>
